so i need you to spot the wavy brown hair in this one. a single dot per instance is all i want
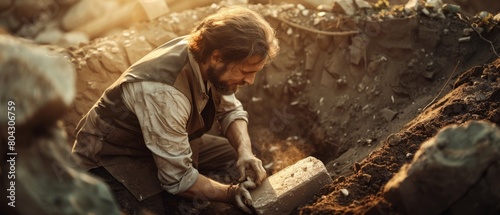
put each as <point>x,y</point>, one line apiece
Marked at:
<point>237,33</point>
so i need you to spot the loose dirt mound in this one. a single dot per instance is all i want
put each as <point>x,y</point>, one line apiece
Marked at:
<point>475,97</point>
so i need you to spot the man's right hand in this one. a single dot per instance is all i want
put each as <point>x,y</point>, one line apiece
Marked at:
<point>242,196</point>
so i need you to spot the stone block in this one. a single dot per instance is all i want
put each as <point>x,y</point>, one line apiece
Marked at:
<point>291,187</point>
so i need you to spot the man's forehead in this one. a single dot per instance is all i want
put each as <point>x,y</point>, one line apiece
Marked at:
<point>255,60</point>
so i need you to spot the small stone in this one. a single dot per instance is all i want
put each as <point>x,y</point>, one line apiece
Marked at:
<point>393,140</point>
<point>345,192</point>
<point>481,97</point>
<point>467,31</point>
<point>366,178</point>
<point>74,38</point>
<point>464,39</point>
<point>388,114</point>
<point>49,36</point>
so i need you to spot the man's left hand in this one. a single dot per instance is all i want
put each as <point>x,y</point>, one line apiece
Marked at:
<point>253,164</point>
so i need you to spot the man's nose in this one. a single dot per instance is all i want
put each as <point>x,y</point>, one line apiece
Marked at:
<point>249,79</point>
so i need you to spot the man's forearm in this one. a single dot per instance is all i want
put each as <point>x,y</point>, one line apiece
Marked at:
<point>207,189</point>
<point>237,134</point>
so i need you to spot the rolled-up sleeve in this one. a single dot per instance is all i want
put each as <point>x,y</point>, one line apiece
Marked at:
<point>230,109</point>
<point>163,112</point>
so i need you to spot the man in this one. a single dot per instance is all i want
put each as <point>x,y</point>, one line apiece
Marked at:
<point>145,135</point>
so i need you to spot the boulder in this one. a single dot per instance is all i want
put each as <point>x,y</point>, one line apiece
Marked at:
<point>469,156</point>
<point>47,86</point>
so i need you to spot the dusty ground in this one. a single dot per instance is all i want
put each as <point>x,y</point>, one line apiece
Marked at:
<point>362,102</point>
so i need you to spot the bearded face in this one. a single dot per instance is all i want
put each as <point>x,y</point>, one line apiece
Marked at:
<point>223,87</point>
<point>227,77</point>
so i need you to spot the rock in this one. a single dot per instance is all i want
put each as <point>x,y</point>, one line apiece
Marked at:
<point>49,36</point>
<point>47,87</point>
<point>312,51</point>
<point>84,11</point>
<point>41,86</point>
<point>436,4</point>
<point>158,36</point>
<point>154,8</point>
<point>470,155</point>
<point>344,6</point>
<point>452,8</point>
<point>358,49</point>
<point>362,4</point>
<point>412,6</point>
<point>136,47</point>
<point>464,39</point>
<point>388,114</point>
<point>114,57</point>
<point>74,38</point>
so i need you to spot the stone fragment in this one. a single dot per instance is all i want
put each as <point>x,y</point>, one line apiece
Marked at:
<point>362,4</point>
<point>358,49</point>
<point>312,52</point>
<point>464,39</point>
<point>291,187</point>
<point>74,39</point>
<point>159,36</point>
<point>412,6</point>
<point>469,154</point>
<point>114,57</point>
<point>344,6</point>
<point>154,8</point>
<point>136,47</point>
<point>388,114</point>
<point>435,4</point>
<point>49,36</point>
<point>85,11</point>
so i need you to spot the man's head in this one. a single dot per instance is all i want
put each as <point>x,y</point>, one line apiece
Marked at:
<point>234,43</point>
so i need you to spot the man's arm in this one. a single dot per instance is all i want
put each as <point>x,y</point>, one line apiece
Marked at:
<point>207,189</point>
<point>237,134</point>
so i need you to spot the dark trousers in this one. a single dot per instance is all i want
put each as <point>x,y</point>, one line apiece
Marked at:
<point>216,159</point>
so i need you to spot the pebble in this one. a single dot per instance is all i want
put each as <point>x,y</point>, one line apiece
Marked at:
<point>464,39</point>
<point>345,192</point>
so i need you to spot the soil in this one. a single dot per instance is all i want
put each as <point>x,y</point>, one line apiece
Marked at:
<point>362,102</point>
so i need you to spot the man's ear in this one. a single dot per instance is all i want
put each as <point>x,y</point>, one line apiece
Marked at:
<point>215,57</point>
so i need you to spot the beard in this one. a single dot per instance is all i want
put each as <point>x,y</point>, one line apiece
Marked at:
<point>221,87</point>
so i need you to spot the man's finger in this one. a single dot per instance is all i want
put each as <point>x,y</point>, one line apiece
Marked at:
<point>260,172</point>
<point>248,185</point>
<point>241,205</point>
<point>247,198</point>
<point>243,176</point>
